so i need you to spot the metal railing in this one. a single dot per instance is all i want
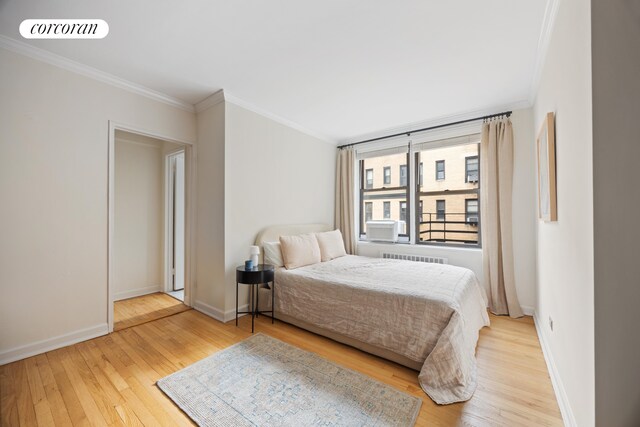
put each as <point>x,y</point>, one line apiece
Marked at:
<point>448,227</point>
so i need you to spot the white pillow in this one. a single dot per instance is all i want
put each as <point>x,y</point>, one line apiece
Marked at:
<point>301,250</point>
<point>272,254</point>
<point>331,245</point>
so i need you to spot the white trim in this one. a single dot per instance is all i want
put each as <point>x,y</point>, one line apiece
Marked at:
<point>93,73</point>
<point>137,292</point>
<point>286,122</point>
<point>214,99</point>
<point>436,121</point>
<point>561,395</point>
<point>218,314</point>
<point>190,218</point>
<point>39,347</point>
<point>550,14</point>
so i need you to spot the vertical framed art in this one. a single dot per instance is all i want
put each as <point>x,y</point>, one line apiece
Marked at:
<point>546,143</point>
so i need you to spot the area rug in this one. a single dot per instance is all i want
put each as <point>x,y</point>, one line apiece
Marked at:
<point>262,381</point>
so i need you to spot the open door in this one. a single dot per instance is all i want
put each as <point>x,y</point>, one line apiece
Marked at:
<point>176,196</point>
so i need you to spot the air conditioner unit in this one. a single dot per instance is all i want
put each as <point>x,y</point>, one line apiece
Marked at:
<point>472,178</point>
<point>384,230</point>
<point>472,219</point>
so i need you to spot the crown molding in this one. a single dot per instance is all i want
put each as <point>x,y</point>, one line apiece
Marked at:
<point>442,120</point>
<point>87,71</point>
<point>550,14</point>
<point>286,122</point>
<point>210,101</point>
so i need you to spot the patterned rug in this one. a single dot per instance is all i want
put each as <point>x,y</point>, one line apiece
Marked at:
<point>262,381</point>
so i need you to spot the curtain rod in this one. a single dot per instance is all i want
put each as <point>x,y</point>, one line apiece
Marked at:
<point>490,116</point>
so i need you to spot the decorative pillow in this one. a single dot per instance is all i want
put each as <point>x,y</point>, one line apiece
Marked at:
<point>272,254</point>
<point>301,250</point>
<point>331,245</point>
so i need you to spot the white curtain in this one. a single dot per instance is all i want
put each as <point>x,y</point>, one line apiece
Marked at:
<point>496,169</point>
<point>344,213</point>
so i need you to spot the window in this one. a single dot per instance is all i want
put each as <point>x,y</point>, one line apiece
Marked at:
<point>444,211</point>
<point>471,169</point>
<point>403,175</point>
<point>380,197</point>
<point>439,170</point>
<point>449,210</point>
<point>368,211</point>
<point>387,175</point>
<point>471,211</point>
<point>440,209</point>
<point>387,210</point>
<point>369,178</point>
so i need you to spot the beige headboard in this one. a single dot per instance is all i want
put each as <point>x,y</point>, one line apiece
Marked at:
<point>273,233</point>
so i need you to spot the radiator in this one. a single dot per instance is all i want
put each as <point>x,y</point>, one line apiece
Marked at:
<point>417,258</point>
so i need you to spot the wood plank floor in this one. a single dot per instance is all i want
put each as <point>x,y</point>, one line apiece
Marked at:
<point>136,311</point>
<point>111,380</point>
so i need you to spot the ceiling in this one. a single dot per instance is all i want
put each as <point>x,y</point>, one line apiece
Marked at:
<point>338,68</point>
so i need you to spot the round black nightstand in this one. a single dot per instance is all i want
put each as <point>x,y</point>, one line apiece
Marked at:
<point>262,274</point>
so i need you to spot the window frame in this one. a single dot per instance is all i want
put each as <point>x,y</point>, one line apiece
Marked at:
<point>467,213</point>
<point>386,173</point>
<point>406,175</point>
<point>405,237</point>
<point>370,211</point>
<point>400,210</point>
<point>386,210</point>
<point>439,216</point>
<point>444,175</point>
<point>368,185</point>
<point>417,214</point>
<point>466,168</point>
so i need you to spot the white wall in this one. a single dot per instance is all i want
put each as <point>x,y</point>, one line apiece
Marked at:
<point>524,222</point>
<point>273,175</point>
<point>565,276</point>
<point>616,152</point>
<point>53,183</point>
<point>210,263</point>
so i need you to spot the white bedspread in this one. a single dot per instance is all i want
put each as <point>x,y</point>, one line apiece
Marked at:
<point>429,313</point>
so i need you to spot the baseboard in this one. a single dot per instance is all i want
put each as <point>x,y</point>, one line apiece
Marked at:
<point>137,292</point>
<point>216,313</point>
<point>529,311</point>
<point>54,343</point>
<point>561,395</point>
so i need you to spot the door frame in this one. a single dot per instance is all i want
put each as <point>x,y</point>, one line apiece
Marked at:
<point>190,211</point>
<point>169,217</point>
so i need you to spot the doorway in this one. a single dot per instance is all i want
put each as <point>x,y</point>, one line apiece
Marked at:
<point>149,236</point>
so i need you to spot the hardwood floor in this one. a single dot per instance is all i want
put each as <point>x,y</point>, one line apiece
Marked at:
<point>111,380</point>
<point>136,311</point>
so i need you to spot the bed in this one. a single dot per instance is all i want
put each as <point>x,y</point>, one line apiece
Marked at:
<point>423,316</point>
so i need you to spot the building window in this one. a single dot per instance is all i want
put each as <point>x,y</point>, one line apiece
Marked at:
<point>369,178</point>
<point>420,174</point>
<point>440,209</point>
<point>368,211</point>
<point>403,175</point>
<point>380,197</point>
<point>387,175</point>
<point>471,169</point>
<point>471,211</point>
<point>403,211</point>
<point>449,213</point>
<point>386,214</point>
<point>439,170</point>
